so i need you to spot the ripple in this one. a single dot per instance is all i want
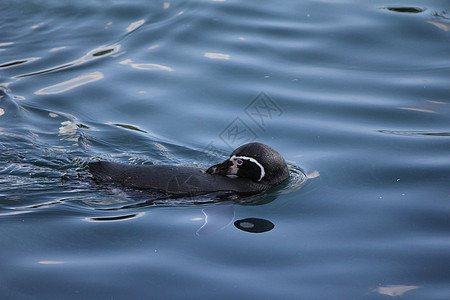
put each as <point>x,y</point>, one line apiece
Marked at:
<point>18,62</point>
<point>114,218</point>
<point>414,133</point>
<point>91,55</point>
<point>411,10</point>
<point>130,127</point>
<point>297,179</point>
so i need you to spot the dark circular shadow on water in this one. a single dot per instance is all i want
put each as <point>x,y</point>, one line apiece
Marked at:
<point>254,225</point>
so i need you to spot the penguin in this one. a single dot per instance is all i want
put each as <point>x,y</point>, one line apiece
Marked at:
<point>252,168</point>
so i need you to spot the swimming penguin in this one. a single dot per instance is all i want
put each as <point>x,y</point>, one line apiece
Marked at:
<point>251,168</point>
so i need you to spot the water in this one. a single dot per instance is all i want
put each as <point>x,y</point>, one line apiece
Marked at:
<point>355,93</point>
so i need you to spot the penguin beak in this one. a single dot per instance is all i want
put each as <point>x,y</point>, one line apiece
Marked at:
<point>224,168</point>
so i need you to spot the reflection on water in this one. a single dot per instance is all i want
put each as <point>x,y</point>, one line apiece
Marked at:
<point>217,55</point>
<point>69,130</point>
<point>425,110</point>
<point>135,25</point>
<point>312,174</point>
<point>57,49</point>
<point>5,44</point>
<point>70,84</point>
<point>51,262</point>
<point>395,290</point>
<point>441,25</point>
<point>129,62</point>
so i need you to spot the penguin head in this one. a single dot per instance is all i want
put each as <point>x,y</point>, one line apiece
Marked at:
<point>255,161</point>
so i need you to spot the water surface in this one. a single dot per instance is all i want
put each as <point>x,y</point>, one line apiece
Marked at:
<point>355,93</point>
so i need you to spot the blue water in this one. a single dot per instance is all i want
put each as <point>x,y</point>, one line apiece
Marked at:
<point>355,93</point>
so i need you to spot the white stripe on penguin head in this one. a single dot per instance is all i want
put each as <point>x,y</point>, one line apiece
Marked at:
<point>251,159</point>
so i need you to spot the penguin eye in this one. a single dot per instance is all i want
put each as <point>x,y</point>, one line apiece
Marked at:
<point>239,161</point>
